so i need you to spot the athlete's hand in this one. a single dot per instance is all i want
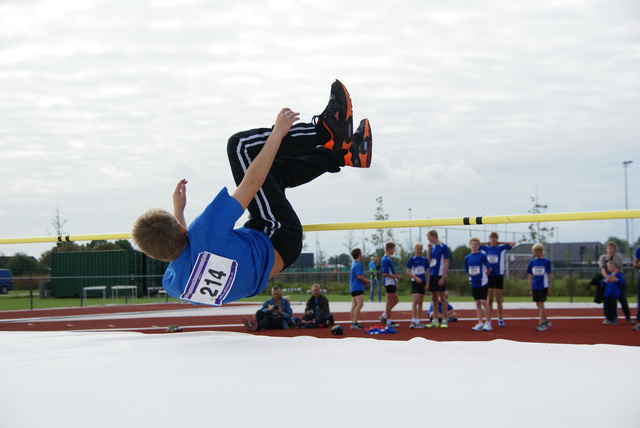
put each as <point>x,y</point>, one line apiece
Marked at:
<point>285,119</point>
<point>180,195</point>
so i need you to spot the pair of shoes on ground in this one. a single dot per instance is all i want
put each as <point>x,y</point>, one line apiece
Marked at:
<point>417,325</point>
<point>174,329</point>
<point>335,124</point>
<point>356,326</point>
<point>434,324</point>
<point>501,323</point>
<point>482,326</point>
<point>607,322</point>
<point>636,327</point>
<point>543,326</point>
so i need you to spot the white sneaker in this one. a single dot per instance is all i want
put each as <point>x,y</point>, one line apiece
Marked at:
<point>487,326</point>
<point>478,327</point>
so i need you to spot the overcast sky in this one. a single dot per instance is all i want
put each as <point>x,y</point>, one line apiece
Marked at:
<point>475,107</point>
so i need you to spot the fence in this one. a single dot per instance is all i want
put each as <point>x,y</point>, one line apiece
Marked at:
<point>569,282</point>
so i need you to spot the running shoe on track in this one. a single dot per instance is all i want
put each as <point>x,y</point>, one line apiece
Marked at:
<point>478,327</point>
<point>250,324</point>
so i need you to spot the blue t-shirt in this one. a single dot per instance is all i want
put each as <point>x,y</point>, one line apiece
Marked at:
<point>438,255</point>
<point>495,255</point>
<point>476,264</point>
<point>387,267</point>
<point>213,231</point>
<point>418,266</point>
<point>539,270</point>
<point>637,254</point>
<point>355,284</point>
<point>612,289</point>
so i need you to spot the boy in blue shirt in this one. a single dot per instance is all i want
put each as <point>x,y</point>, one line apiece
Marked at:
<point>357,282</point>
<point>439,256</point>
<point>495,252</point>
<point>539,275</point>
<point>477,266</point>
<point>417,269</point>
<point>390,281</point>
<point>611,282</point>
<point>213,263</point>
<point>636,265</point>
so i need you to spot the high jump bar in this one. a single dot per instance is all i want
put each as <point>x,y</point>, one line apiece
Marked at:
<point>385,224</point>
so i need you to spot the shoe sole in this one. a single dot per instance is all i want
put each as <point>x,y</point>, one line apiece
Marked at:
<point>361,150</point>
<point>346,144</point>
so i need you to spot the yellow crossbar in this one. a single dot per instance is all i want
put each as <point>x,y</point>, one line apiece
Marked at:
<point>387,224</point>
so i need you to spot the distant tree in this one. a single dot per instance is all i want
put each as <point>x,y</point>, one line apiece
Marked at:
<point>22,264</point>
<point>622,246</point>
<point>382,236</point>
<point>458,255</point>
<point>350,241</point>
<point>58,223</point>
<point>125,244</point>
<point>343,259</point>
<point>538,233</point>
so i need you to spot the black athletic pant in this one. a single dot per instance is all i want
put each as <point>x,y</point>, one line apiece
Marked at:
<point>300,159</point>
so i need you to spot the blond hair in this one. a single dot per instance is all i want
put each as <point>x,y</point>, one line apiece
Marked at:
<point>537,246</point>
<point>158,234</point>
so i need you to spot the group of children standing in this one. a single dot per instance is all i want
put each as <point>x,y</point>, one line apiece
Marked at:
<point>428,272</point>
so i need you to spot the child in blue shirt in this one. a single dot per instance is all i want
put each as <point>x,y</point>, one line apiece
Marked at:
<point>477,266</point>
<point>539,275</point>
<point>356,287</point>
<point>439,257</point>
<point>495,251</point>
<point>611,283</point>
<point>417,269</point>
<point>213,263</point>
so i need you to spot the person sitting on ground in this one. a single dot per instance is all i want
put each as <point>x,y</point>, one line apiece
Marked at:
<point>451,313</point>
<point>317,309</point>
<point>275,314</point>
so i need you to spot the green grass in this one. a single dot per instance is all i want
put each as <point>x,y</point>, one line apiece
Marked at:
<point>21,301</point>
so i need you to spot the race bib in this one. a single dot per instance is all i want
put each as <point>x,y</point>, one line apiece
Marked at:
<point>474,270</point>
<point>538,270</point>
<point>211,279</point>
<point>493,258</point>
<point>418,270</point>
<point>433,262</point>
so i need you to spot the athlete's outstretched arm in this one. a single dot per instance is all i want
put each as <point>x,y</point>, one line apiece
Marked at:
<point>259,168</point>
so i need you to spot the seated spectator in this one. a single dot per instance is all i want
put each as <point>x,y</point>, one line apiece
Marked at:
<point>317,309</point>
<point>452,315</point>
<point>276,313</point>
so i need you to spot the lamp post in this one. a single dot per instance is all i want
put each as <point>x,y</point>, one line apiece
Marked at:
<point>626,202</point>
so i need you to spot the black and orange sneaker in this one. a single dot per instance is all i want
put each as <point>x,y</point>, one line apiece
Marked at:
<point>359,154</point>
<point>335,124</point>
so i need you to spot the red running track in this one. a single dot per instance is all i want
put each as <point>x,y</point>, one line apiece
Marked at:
<point>570,325</point>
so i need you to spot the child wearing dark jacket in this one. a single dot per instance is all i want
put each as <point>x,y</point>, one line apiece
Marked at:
<point>611,283</point>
